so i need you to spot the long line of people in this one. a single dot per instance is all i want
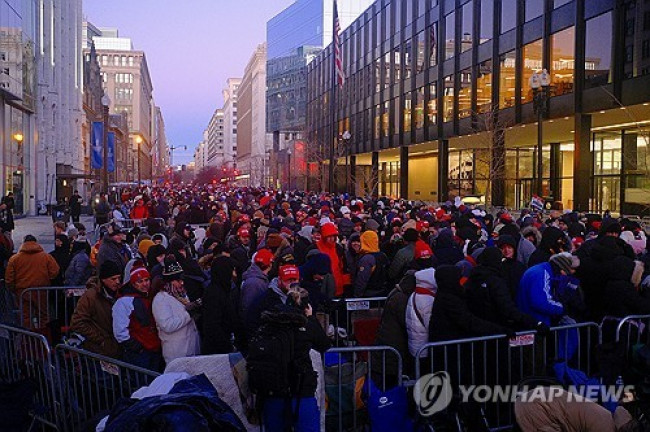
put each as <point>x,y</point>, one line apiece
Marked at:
<point>448,271</point>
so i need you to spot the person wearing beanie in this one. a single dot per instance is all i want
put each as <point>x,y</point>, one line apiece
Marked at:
<point>171,310</point>
<point>134,326</point>
<point>241,252</point>
<point>404,256</point>
<point>255,281</point>
<point>143,247</point>
<point>372,225</point>
<point>524,247</point>
<point>418,309</point>
<point>490,298</point>
<point>336,252</point>
<point>112,247</point>
<point>92,318</point>
<point>352,253</point>
<point>370,274</point>
<point>553,241</point>
<point>61,254</point>
<point>423,256</point>
<point>513,269</point>
<point>80,269</point>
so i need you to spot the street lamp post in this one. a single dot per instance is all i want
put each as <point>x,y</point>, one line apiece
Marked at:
<point>540,83</point>
<point>346,142</point>
<point>171,157</point>
<point>106,102</point>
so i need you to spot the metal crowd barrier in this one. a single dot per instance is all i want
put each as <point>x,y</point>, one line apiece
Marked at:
<point>128,224</point>
<point>350,313</point>
<point>348,372</point>
<point>26,359</point>
<point>91,384</point>
<point>496,361</point>
<point>41,307</point>
<point>631,329</point>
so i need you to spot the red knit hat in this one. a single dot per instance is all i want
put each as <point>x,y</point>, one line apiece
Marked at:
<point>329,229</point>
<point>422,250</point>
<point>137,274</point>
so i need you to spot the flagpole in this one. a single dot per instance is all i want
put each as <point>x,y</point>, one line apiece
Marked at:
<point>333,102</point>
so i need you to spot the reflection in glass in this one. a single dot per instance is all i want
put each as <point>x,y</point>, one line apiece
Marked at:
<point>407,112</point>
<point>507,63</point>
<point>563,60</point>
<point>484,87</point>
<point>598,50</point>
<point>448,99</point>
<point>433,44</point>
<point>534,8</point>
<point>465,94</point>
<point>532,54</point>
<point>419,108</point>
<point>432,105</point>
<point>408,52</point>
<point>467,31</point>
<point>487,20</point>
<point>420,50</point>
<point>508,15</point>
<point>450,39</point>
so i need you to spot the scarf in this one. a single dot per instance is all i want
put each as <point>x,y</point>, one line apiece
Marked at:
<point>178,293</point>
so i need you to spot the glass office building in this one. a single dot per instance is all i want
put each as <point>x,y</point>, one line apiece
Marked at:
<point>18,29</point>
<point>438,103</point>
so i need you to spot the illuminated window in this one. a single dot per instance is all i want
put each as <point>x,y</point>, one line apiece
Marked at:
<point>450,31</point>
<point>384,120</point>
<point>507,79</point>
<point>433,44</point>
<point>563,60</point>
<point>465,94</point>
<point>408,52</point>
<point>432,105</point>
<point>419,108</point>
<point>448,99</point>
<point>420,42</point>
<point>532,63</point>
<point>407,112</point>
<point>484,87</point>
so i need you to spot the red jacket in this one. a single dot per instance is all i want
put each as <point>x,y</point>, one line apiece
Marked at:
<point>133,319</point>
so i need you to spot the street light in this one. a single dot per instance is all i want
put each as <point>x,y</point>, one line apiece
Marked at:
<point>138,141</point>
<point>171,157</point>
<point>540,83</point>
<point>345,139</point>
<point>106,102</point>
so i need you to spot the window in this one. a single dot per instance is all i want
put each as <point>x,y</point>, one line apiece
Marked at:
<point>484,87</point>
<point>558,3</point>
<point>508,15</point>
<point>534,8</point>
<point>384,119</point>
<point>598,50</point>
<point>419,108</point>
<point>397,115</point>
<point>532,64</point>
<point>3,56</point>
<point>432,105</point>
<point>420,50</point>
<point>377,122</point>
<point>450,39</point>
<point>645,49</point>
<point>507,79</point>
<point>563,60</point>
<point>465,94</point>
<point>487,20</point>
<point>408,52</point>
<point>407,112</point>
<point>468,30</point>
<point>448,99</point>
<point>433,44</point>
<point>116,60</point>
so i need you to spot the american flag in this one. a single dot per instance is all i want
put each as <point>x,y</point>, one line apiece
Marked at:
<point>340,76</point>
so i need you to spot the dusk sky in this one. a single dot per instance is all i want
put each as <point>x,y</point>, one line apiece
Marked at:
<point>192,47</point>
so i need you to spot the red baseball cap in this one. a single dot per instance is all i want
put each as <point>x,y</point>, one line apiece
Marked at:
<point>289,272</point>
<point>263,256</point>
<point>243,232</point>
<point>422,250</point>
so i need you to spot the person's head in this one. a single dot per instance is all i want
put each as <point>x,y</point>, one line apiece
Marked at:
<point>564,263</point>
<point>156,255</point>
<point>316,235</point>
<point>110,276</point>
<point>172,270</point>
<point>59,227</point>
<point>355,243</point>
<point>611,229</point>
<point>298,297</point>
<point>329,232</point>
<point>29,238</point>
<point>263,258</point>
<point>244,236</point>
<point>508,246</point>
<point>140,279</point>
<point>115,233</point>
<point>288,275</point>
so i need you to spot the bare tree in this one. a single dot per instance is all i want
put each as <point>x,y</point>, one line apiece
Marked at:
<point>368,179</point>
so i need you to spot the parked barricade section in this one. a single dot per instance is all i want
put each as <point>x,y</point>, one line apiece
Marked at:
<point>91,384</point>
<point>48,310</point>
<point>353,375</point>
<point>498,364</point>
<point>359,317</point>
<point>26,363</point>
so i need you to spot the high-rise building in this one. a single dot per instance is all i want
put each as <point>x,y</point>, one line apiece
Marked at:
<point>230,120</point>
<point>215,138</point>
<point>127,82</point>
<point>439,102</point>
<point>201,154</point>
<point>160,148</point>
<point>253,143</point>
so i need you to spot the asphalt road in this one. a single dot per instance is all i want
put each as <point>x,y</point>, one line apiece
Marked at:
<point>41,227</point>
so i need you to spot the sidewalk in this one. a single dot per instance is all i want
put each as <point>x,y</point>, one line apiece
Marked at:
<point>41,228</point>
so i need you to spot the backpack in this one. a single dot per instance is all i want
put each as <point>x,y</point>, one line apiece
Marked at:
<point>378,282</point>
<point>270,361</point>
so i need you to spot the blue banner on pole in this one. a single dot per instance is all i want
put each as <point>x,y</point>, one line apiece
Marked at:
<point>97,147</point>
<point>111,152</point>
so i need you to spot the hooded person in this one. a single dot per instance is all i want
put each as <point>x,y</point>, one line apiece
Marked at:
<point>219,315</point>
<point>255,281</point>
<point>316,278</point>
<point>172,310</point>
<point>623,295</point>
<point>418,310</point>
<point>553,241</point>
<point>445,249</point>
<point>512,268</point>
<point>423,257</point>
<point>61,254</point>
<point>370,276</point>
<point>490,298</point>
<point>352,253</point>
<point>524,248</point>
<point>403,256</point>
<point>303,244</point>
<point>80,269</point>
<point>328,245</point>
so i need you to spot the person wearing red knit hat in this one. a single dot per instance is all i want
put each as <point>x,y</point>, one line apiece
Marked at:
<point>328,245</point>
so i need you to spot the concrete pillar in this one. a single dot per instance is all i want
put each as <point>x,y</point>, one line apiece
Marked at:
<point>443,170</point>
<point>404,172</point>
<point>498,168</point>
<point>375,174</point>
<point>353,175</point>
<point>582,165</point>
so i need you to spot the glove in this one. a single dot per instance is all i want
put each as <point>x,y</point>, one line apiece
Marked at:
<point>194,305</point>
<point>542,329</point>
<point>132,345</point>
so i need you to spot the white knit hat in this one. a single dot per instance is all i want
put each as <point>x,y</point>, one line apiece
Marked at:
<point>426,278</point>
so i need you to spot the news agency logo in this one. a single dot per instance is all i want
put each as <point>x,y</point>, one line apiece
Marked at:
<point>433,393</point>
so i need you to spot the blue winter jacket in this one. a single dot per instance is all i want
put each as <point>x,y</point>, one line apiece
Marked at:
<point>534,296</point>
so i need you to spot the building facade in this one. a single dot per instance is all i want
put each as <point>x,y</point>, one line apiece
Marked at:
<point>201,154</point>
<point>230,121</point>
<point>438,102</point>
<point>127,82</point>
<point>215,138</point>
<point>160,149</point>
<point>253,143</point>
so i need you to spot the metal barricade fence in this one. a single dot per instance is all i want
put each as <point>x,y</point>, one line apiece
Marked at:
<point>493,361</point>
<point>50,307</point>
<point>630,330</point>
<point>348,372</point>
<point>129,224</point>
<point>25,357</point>
<point>353,312</point>
<point>91,384</point>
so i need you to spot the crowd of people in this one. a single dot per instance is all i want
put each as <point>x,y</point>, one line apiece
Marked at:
<point>210,269</point>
